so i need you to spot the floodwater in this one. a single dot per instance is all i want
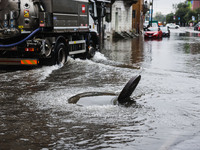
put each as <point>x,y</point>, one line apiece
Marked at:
<point>35,113</point>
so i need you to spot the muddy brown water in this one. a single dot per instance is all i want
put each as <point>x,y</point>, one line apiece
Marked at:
<point>35,113</point>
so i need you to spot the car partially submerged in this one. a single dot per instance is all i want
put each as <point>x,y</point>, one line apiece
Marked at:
<point>153,32</point>
<point>165,31</point>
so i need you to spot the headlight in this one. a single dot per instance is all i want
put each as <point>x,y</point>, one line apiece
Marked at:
<point>155,33</point>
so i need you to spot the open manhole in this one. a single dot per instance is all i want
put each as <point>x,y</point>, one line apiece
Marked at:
<point>103,98</point>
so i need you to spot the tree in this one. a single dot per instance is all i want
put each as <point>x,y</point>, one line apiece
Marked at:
<point>159,17</point>
<point>182,10</point>
<point>188,16</point>
<point>197,16</point>
<point>183,14</point>
<point>170,18</point>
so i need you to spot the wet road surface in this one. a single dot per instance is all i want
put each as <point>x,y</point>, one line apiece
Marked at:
<point>35,113</point>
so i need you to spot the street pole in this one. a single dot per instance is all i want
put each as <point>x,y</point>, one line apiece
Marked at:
<point>151,12</point>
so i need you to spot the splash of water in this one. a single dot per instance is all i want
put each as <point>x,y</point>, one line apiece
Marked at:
<point>46,71</point>
<point>99,56</point>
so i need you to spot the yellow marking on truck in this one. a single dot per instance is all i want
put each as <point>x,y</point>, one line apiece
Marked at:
<point>20,27</point>
<point>74,42</point>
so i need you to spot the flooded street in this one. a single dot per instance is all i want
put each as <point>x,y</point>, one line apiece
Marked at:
<point>35,113</point>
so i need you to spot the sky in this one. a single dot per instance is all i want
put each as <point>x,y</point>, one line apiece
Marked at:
<point>164,6</point>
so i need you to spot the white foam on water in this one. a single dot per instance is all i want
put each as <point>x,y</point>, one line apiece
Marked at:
<point>46,71</point>
<point>99,56</point>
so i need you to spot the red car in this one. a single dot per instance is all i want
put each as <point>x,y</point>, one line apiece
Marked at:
<point>153,32</point>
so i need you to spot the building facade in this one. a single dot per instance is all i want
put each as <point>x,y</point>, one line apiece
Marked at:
<point>139,11</point>
<point>195,4</point>
<point>121,14</point>
<point>127,16</point>
<point>121,17</point>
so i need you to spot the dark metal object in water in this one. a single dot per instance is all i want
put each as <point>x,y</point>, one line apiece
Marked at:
<point>123,98</point>
<point>129,88</point>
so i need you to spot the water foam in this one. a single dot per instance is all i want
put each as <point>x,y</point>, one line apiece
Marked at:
<point>99,56</point>
<point>42,73</point>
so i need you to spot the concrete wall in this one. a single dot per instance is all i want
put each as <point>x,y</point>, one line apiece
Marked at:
<point>121,18</point>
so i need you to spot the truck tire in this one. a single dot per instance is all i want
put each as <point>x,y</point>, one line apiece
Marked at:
<point>61,54</point>
<point>91,52</point>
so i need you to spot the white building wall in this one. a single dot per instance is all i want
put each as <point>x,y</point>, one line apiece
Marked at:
<point>121,18</point>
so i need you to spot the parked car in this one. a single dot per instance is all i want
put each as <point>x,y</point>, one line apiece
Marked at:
<point>172,26</point>
<point>153,32</point>
<point>197,27</point>
<point>165,31</point>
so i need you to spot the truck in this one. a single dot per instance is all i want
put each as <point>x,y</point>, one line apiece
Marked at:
<point>34,32</point>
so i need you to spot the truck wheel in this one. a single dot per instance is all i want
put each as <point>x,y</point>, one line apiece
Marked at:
<point>88,54</point>
<point>61,54</point>
<point>91,52</point>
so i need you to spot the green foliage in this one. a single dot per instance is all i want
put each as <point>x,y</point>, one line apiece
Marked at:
<point>170,18</point>
<point>189,15</point>
<point>159,17</point>
<point>183,14</point>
